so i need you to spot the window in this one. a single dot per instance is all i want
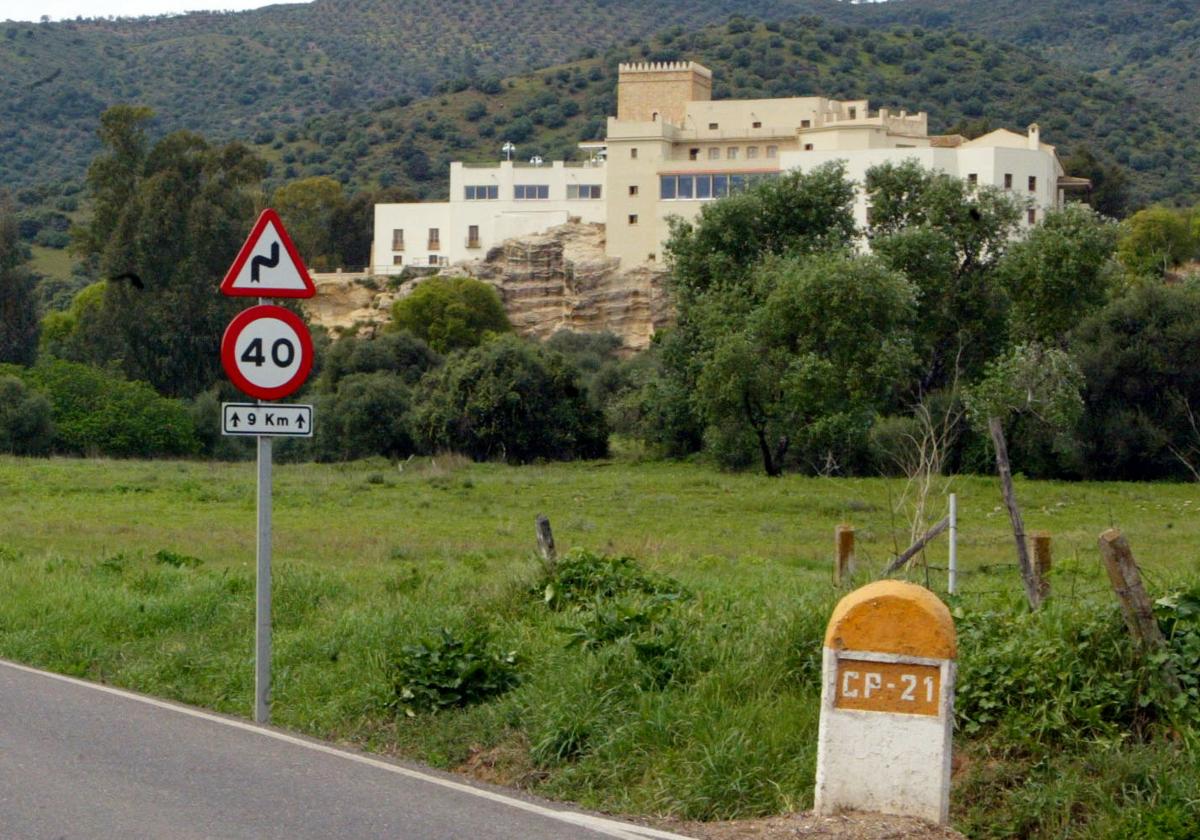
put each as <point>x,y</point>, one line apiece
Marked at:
<point>972,179</point>
<point>650,258</point>
<point>731,153</point>
<point>583,191</point>
<point>531,192</point>
<point>751,152</point>
<point>398,239</point>
<point>693,154</point>
<point>737,183</point>
<point>633,190</point>
<point>703,186</point>
<point>633,218</point>
<point>481,192</point>
<point>714,153</point>
<point>633,154</point>
<point>772,151</point>
<point>1031,216</point>
<point>712,126</point>
<point>720,186</point>
<point>756,124</point>
<point>434,239</point>
<point>808,147</point>
<point>473,236</point>
<point>1033,183</point>
<point>1008,180</point>
<point>806,123</point>
<point>398,259</point>
<point>685,188</point>
<point>853,112</point>
<point>666,187</point>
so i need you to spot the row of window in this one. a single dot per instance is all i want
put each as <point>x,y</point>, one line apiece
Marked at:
<point>684,187</point>
<point>435,239</point>
<point>732,152</point>
<point>973,179</point>
<point>529,192</point>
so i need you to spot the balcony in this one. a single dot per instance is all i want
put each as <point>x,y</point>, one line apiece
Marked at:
<point>473,242</point>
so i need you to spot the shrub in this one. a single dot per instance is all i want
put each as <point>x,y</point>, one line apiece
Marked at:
<point>399,352</point>
<point>451,671</point>
<point>451,313</point>
<point>513,401</point>
<point>368,415</point>
<point>96,411</point>
<point>582,577</point>
<point>25,425</point>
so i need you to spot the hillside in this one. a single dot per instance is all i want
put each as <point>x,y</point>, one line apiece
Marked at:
<point>1151,47</point>
<point>244,74</point>
<point>233,75</point>
<point>965,83</point>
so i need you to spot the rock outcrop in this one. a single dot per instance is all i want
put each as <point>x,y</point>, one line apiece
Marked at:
<point>557,280</point>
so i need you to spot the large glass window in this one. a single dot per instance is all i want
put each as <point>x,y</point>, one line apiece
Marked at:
<point>531,192</point>
<point>703,186</point>
<point>666,189</point>
<point>737,183</point>
<point>481,192</point>
<point>720,186</point>
<point>583,191</point>
<point>685,186</point>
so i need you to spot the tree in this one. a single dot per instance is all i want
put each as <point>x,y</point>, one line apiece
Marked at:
<point>1029,379</point>
<point>512,401</point>
<point>398,352</point>
<point>1109,194</point>
<point>352,225</point>
<point>308,208</point>
<point>18,312</point>
<point>167,223</point>
<point>817,359</point>
<point>451,313</point>
<point>25,424</point>
<point>1155,240</point>
<point>1058,273</point>
<point>1140,356</point>
<point>367,415</point>
<point>947,237</point>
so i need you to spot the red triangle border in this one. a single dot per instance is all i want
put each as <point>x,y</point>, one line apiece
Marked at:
<point>268,216</point>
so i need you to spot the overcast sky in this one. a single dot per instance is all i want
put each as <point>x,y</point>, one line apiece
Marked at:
<point>60,9</point>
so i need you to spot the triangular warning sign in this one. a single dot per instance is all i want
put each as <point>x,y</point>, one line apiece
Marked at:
<point>268,264</point>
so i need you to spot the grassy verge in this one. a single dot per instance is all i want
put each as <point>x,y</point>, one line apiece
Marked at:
<point>694,695</point>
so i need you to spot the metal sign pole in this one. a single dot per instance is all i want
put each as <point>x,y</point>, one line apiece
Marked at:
<point>262,607</point>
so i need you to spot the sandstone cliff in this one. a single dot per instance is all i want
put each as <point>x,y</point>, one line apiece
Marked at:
<point>553,281</point>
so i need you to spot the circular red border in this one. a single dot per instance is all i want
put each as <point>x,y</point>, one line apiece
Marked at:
<point>229,343</point>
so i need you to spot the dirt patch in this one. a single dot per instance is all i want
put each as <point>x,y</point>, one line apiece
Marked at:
<point>853,825</point>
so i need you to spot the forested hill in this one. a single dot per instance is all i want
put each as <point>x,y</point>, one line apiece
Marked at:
<point>1150,46</point>
<point>230,75</point>
<point>239,74</point>
<point>965,83</point>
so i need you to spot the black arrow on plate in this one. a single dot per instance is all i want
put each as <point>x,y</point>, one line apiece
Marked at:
<point>235,420</point>
<point>300,421</point>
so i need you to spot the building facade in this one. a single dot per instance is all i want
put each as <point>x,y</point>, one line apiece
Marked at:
<point>671,148</point>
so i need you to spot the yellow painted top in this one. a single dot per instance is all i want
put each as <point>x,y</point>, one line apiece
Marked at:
<point>891,616</point>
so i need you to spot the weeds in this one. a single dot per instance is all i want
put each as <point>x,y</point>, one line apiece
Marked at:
<point>451,671</point>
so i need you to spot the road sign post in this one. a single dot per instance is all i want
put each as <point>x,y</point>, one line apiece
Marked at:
<point>267,353</point>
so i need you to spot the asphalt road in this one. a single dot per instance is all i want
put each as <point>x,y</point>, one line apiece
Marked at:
<point>80,761</point>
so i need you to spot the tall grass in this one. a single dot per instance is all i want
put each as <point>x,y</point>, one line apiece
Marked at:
<point>684,683</point>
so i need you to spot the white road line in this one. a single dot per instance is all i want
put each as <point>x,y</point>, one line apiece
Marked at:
<point>600,825</point>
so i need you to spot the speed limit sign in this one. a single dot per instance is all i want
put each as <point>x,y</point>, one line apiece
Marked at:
<point>267,351</point>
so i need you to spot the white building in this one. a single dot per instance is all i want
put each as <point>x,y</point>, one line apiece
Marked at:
<point>670,149</point>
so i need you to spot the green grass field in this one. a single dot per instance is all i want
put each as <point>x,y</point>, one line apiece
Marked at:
<point>141,574</point>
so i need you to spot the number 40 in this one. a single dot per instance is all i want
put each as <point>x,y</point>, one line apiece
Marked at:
<point>283,352</point>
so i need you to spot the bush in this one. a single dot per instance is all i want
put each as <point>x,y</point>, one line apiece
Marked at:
<point>451,671</point>
<point>513,401</point>
<point>96,411</point>
<point>368,415</point>
<point>582,577</point>
<point>25,425</point>
<point>401,353</point>
<point>451,313</point>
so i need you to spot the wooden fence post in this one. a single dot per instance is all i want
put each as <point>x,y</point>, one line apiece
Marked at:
<point>843,564</point>
<point>545,539</point>
<point>1135,603</point>
<point>1041,562</point>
